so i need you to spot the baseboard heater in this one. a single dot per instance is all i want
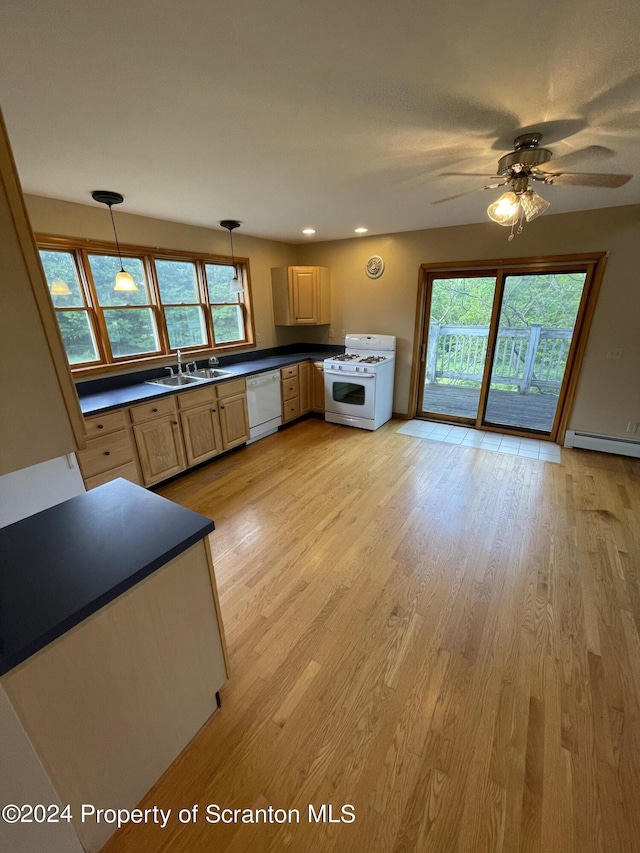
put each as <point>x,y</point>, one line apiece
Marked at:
<point>603,443</point>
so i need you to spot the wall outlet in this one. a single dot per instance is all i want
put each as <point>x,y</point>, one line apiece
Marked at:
<point>632,426</point>
<point>614,353</point>
<point>258,339</point>
<point>330,331</point>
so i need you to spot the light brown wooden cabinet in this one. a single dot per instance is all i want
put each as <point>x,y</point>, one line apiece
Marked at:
<point>159,440</point>
<point>317,386</point>
<point>304,381</point>
<point>200,423</point>
<point>301,296</point>
<point>234,414</point>
<point>109,451</point>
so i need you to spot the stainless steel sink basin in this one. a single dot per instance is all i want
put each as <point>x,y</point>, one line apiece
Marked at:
<point>208,373</point>
<point>174,381</point>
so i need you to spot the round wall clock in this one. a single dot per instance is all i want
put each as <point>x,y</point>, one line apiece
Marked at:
<point>374,266</point>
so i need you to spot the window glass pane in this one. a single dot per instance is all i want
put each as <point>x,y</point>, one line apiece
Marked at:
<point>185,326</point>
<point>131,331</point>
<point>219,281</point>
<point>177,281</point>
<point>61,275</point>
<point>228,324</point>
<point>104,269</point>
<point>77,335</point>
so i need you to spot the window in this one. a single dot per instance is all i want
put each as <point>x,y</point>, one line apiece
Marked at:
<point>181,301</point>
<point>226,310</point>
<point>183,310</point>
<point>69,300</point>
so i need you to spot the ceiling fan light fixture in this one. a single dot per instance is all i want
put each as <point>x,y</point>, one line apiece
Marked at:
<point>505,210</point>
<point>533,204</point>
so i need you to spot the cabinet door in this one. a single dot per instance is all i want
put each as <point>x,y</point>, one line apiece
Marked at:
<point>201,431</point>
<point>317,376</point>
<point>304,283</point>
<point>304,376</point>
<point>160,448</point>
<point>234,420</point>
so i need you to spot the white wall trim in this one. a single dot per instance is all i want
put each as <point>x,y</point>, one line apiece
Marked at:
<point>602,443</point>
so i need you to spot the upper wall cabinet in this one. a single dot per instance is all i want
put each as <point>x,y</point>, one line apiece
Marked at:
<point>301,296</point>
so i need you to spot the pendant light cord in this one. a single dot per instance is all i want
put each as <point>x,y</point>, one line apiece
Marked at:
<point>115,234</point>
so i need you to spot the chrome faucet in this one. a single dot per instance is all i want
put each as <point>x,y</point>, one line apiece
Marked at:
<point>213,361</point>
<point>179,354</point>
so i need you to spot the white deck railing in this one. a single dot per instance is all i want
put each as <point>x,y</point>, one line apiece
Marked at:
<point>528,357</point>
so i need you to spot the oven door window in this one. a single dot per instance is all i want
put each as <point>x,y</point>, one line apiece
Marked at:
<point>349,393</point>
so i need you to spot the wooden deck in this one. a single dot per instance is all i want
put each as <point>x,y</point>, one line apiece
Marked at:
<point>532,411</point>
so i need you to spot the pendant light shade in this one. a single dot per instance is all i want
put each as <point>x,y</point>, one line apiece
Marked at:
<point>59,288</point>
<point>236,281</point>
<point>123,280</point>
<point>533,204</point>
<point>505,210</point>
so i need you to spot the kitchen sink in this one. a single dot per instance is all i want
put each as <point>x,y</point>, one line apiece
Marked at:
<point>208,373</point>
<point>174,381</point>
<point>196,377</point>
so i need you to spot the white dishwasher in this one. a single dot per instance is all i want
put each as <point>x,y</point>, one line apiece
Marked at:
<point>264,401</point>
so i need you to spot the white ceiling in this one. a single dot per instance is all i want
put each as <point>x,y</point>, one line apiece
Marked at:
<point>287,113</point>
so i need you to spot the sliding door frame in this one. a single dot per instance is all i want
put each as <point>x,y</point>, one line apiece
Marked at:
<point>594,266</point>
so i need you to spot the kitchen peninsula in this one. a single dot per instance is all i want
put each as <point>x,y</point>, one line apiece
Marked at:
<point>111,643</point>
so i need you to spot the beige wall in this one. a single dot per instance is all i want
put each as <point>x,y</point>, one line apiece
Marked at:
<point>609,391</point>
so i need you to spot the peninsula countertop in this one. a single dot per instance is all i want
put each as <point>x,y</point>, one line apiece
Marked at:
<point>59,566</point>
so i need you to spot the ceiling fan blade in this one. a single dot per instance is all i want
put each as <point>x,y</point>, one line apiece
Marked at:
<point>471,192</point>
<point>469,175</point>
<point>587,179</point>
<point>568,160</point>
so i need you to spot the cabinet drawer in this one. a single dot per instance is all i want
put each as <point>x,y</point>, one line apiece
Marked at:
<point>290,388</point>
<point>106,452</point>
<point>289,372</point>
<point>103,424</point>
<point>291,410</point>
<point>128,471</point>
<point>200,397</point>
<point>153,409</point>
<point>230,389</point>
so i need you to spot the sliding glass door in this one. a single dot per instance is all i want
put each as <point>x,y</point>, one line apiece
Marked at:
<point>498,345</point>
<point>537,318</point>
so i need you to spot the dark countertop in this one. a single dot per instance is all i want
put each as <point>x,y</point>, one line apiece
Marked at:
<point>63,564</point>
<point>115,398</point>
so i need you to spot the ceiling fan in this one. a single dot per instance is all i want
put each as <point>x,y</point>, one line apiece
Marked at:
<point>529,162</point>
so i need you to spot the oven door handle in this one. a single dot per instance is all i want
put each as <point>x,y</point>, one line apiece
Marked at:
<point>351,375</point>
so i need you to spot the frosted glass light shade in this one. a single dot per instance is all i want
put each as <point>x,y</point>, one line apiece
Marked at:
<point>124,281</point>
<point>533,204</point>
<point>236,283</point>
<point>60,288</point>
<point>505,210</point>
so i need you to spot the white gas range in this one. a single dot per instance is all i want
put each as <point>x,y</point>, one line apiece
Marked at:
<point>358,385</point>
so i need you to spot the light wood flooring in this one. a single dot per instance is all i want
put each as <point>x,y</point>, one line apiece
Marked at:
<point>444,637</point>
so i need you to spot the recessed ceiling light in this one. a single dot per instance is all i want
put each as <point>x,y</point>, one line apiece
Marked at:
<point>308,230</point>
<point>361,230</point>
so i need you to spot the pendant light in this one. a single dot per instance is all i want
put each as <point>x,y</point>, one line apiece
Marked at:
<point>236,281</point>
<point>124,280</point>
<point>59,288</point>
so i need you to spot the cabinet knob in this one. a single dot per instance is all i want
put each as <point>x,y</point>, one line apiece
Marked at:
<point>175,423</point>
<point>100,426</point>
<point>222,407</point>
<point>107,453</point>
<point>213,410</point>
<point>154,410</point>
